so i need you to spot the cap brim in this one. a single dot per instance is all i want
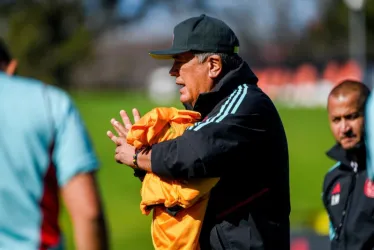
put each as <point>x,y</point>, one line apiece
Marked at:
<point>166,54</point>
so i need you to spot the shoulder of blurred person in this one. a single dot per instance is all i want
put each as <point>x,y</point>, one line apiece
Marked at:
<point>369,129</point>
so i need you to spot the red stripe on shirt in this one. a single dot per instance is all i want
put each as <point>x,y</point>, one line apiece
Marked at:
<point>49,205</point>
<point>243,203</point>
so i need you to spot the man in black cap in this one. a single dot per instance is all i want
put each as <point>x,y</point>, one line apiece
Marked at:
<point>240,139</point>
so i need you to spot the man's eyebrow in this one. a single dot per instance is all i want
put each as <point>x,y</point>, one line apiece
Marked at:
<point>355,113</point>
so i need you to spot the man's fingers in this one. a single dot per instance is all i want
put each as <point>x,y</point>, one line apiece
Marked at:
<point>113,121</point>
<point>136,114</point>
<point>113,137</point>
<point>117,157</point>
<point>121,130</point>
<point>125,119</point>
<point>110,134</point>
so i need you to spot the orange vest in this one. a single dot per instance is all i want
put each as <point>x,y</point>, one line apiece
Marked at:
<point>182,230</point>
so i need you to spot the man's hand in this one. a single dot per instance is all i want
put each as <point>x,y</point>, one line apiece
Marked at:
<point>124,151</point>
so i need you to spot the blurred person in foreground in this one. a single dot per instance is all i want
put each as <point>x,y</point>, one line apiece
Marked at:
<point>240,139</point>
<point>44,150</point>
<point>369,125</point>
<point>346,195</point>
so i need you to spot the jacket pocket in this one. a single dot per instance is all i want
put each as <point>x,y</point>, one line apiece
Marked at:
<point>240,236</point>
<point>217,239</point>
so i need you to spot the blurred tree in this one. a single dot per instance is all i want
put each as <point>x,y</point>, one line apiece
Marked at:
<point>327,38</point>
<point>109,3</point>
<point>48,38</point>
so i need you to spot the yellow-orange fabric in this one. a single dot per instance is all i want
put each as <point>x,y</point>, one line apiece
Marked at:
<point>182,230</point>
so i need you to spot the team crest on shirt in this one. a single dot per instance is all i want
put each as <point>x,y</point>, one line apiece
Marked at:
<point>369,188</point>
<point>335,194</point>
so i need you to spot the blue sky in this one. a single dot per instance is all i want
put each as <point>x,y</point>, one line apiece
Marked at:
<point>258,14</point>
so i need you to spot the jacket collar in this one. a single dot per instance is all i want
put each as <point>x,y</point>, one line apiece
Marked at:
<point>207,101</point>
<point>348,158</point>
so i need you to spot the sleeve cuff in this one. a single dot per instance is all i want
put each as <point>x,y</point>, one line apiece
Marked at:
<point>87,167</point>
<point>158,161</point>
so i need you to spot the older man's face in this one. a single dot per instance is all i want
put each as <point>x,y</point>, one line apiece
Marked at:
<point>191,76</point>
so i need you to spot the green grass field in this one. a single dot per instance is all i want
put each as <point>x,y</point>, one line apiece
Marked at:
<point>308,136</point>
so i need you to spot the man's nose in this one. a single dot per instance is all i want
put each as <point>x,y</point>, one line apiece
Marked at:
<point>173,71</point>
<point>344,126</point>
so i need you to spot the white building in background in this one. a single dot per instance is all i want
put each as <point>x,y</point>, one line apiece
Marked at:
<point>161,86</point>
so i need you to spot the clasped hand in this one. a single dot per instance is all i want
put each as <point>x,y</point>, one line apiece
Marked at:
<point>124,152</point>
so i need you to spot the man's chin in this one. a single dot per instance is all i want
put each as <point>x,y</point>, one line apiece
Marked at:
<point>349,146</point>
<point>182,99</point>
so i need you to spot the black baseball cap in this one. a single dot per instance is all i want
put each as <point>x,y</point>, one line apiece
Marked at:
<point>203,33</point>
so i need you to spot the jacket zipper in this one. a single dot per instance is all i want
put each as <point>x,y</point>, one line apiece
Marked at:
<point>347,205</point>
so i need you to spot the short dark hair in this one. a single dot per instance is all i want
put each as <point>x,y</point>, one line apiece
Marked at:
<point>349,86</point>
<point>4,52</point>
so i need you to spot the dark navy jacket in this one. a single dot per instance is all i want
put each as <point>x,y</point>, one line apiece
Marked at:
<point>241,140</point>
<point>348,196</point>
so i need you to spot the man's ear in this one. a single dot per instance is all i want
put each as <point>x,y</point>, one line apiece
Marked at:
<point>215,66</point>
<point>11,68</point>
